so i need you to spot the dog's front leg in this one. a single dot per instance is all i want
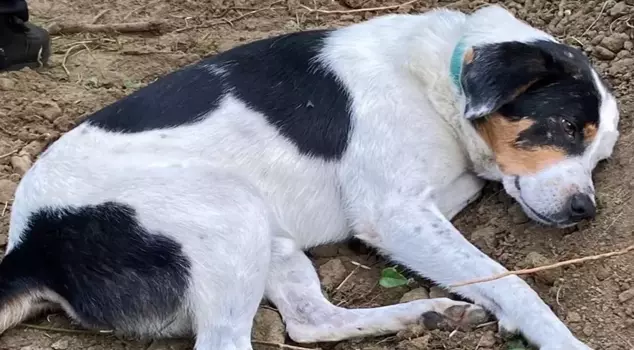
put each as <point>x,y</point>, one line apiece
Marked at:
<point>412,231</point>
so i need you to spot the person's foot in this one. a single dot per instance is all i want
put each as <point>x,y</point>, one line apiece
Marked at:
<point>22,44</point>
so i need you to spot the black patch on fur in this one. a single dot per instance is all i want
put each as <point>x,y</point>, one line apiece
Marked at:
<point>499,72</point>
<point>110,269</point>
<point>280,77</point>
<point>566,94</point>
<point>548,82</point>
<point>179,98</point>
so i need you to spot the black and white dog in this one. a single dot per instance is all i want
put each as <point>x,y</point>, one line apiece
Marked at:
<point>178,208</point>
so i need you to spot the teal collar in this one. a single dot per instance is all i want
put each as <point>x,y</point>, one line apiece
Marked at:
<point>455,67</point>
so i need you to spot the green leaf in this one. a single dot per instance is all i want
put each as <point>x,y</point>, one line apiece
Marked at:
<point>516,345</point>
<point>391,278</point>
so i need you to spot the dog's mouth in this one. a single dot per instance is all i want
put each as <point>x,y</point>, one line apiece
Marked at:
<point>537,216</point>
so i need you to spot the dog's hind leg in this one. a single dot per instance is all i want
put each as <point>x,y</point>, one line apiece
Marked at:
<point>294,288</point>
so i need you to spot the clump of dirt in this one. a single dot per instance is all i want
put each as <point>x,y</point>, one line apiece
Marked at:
<point>90,70</point>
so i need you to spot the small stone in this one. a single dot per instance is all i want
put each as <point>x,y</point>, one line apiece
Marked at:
<point>574,317</point>
<point>627,295</point>
<point>6,84</point>
<point>33,149</point>
<point>613,43</point>
<point>7,190</point>
<point>618,9</point>
<point>3,238</point>
<point>517,214</point>
<point>61,344</point>
<point>588,330</point>
<point>21,164</point>
<point>268,326</point>
<point>325,251</point>
<point>332,274</point>
<point>412,332</point>
<point>47,109</point>
<point>488,340</point>
<point>421,343</point>
<point>603,273</point>
<point>415,294</point>
<point>621,66</point>
<point>549,277</point>
<point>628,45</point>
<point>485,237</point>
<point>438,292</point>
<point>602,53</point>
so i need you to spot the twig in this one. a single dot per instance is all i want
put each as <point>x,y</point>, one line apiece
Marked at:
<point>133,27</point>
<point>66,57</point>
<point>8,154</point>
<point>347,278</point>
<point>140,8</point>
<point>605,4</point>
<point>225,20</point>
<point>366,9</point>
<point>64,330</point>
<point>99,15</point>
<point>282,346</point>
<point>4,210</point>
<point>547,267</point>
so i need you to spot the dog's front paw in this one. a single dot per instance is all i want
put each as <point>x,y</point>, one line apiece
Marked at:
<point>451,315</point>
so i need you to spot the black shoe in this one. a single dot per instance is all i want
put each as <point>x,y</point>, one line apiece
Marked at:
<point>22,44</point>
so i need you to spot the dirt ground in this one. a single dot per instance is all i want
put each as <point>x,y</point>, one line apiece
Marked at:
<point>89,71</point>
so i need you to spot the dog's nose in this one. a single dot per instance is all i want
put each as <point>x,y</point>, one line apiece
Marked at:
<point>582,207</point>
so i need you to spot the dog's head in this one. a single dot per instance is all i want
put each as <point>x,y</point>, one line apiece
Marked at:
<point>542,109</point>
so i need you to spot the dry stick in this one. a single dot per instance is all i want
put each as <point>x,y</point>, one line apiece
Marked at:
<point>227,21</point>
<point>63,330</point>
<point>134,27</point>
<point>140,8</point>
<point>547,267</point>
<point>99,15</point>
<point>605,4</point>
<point>367,9</point>
<point>8,154</point>
<point>66,58</point>
<point>282,346</point>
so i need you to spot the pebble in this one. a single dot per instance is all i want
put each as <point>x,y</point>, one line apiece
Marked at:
<point>438,292</point>
<point>7,190</point>
<point>627,295</point>
<point>332,274</point>
<point>535,259</point>
<point>21,164</point>
<point>411,332</point>
<point>485,237</point>
<point>618,9</point>
<point>603,273</point>
<point>602,53</point>
<point>621,66</point>
<point>488,340</point>
<point>574,317</point>
<point>628,45</point>
<point>415,294</point>
<point>517,214</point>
<point>414,344</point>
<point>61,344</point>
<point>33,149</point>
<point>268,327</point>
<point>6,84</point>
<point>613,43</point>
<point>47,109</point>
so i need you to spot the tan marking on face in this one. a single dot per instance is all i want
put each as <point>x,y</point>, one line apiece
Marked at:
<point>469,56</point>
<point>501,135</point>
<point>589,133</point>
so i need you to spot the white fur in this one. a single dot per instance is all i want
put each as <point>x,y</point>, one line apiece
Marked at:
<point>237,195</point>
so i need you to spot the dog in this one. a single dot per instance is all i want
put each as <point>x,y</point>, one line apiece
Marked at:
<point>178,208</point>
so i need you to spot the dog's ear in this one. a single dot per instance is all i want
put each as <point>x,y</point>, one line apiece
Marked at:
<point>494,74</point>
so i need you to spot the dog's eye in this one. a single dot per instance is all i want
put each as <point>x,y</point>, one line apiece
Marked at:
<point>569,127</point>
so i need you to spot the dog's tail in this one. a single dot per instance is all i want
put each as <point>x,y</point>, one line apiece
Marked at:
<point>21,296</point>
